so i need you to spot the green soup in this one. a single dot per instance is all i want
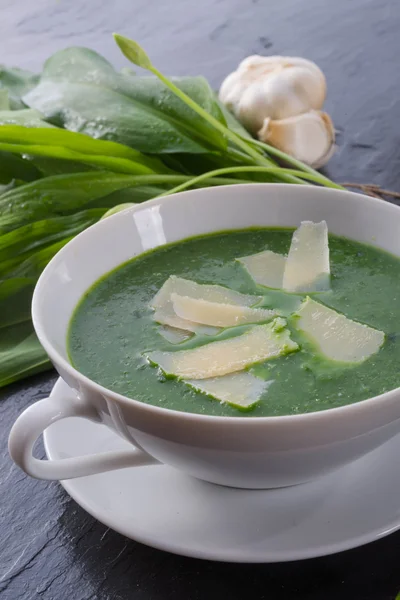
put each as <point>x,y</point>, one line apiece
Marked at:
<point>112,326</point>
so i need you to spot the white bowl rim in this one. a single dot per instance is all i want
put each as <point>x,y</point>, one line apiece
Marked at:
<point>248,421</point>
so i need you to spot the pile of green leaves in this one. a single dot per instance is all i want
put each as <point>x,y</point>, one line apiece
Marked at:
<point>82,140</point>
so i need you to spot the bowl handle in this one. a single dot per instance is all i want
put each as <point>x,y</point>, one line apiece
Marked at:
<point>35,419</point>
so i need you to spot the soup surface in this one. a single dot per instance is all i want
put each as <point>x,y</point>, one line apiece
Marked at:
<point>113,327</point>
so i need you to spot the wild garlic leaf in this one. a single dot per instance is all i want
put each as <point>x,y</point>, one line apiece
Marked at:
<point>232,122</point>
<point>27,117</point>
<point>4,187</point>
<point>134,195</point>
<point>67,145</point>
<point>16,292</point>
<point>116,209</point>
<point>116,165</point>
<point>4,100</point>
<point>17,82</point>
<point>33,266</point>
<point>48,167</point>
<point>56,196</point>
<point>195,164</point>
<point>21,354</point>
<point>53,136</point>
<point>15,167</point>
<point>21,242</point>
<point>81,91</point>
<point>15,301</point>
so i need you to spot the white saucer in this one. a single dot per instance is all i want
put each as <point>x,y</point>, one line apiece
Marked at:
<point>161,507</point>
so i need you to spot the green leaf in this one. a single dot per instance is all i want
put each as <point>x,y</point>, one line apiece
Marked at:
<point>15,301</point>
<point>19,244</point>
<point>81,91</point>
<point>27,117</point>
<point>134,195</point>
<point>7,186</point>
<point>117,209</point>
<point>116,165</point>
<point>16,292</point>
<point>32,267</point>
<point>10,287</point>
<point>65,194</point>
<point>133,51</point>
<point>57,166</point>
<point>53,136</point>
<point>7,266</point>
<point>4,100</point>
<point>14,167</point>
<point>17,82</point>
<point>56,196</point>
<point>233,123</point>
<point>192,164</point>
<point>21,354</point>
<point>68,145</point>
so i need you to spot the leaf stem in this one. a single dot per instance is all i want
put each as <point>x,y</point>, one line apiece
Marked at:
<point>293,161</point>
<point>278,171</point>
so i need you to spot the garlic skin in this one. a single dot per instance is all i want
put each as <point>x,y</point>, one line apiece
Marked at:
<point>309,137</point>
<point>274,87</point>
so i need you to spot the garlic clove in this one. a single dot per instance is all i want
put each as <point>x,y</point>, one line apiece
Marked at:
<point>253,106</point>
<point>309,88</point>
<point>297,61</point>
<point>231,90</point>
<point>236,84</point>
<point>285,93</point>
<point>309,137</point>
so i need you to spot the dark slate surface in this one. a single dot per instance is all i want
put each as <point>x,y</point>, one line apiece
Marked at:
<point>49,547</point>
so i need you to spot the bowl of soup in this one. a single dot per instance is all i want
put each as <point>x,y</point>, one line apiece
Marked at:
<point>247,335</point>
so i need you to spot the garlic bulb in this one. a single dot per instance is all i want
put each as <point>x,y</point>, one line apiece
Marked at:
<point>278,99</point>
<point>309,137</point>
<point>274,87</point>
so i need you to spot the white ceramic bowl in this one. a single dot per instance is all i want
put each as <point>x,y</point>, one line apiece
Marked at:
<point>235,451</point>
